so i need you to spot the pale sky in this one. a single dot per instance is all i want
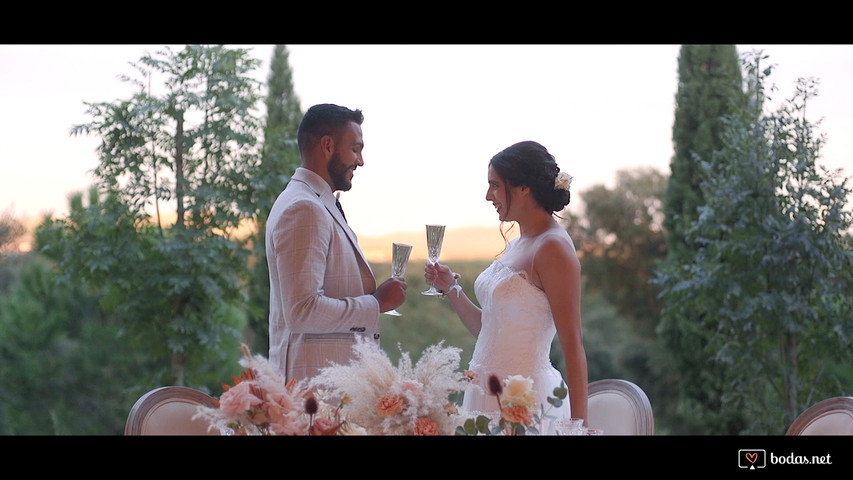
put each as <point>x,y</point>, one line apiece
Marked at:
<point>434,116</point>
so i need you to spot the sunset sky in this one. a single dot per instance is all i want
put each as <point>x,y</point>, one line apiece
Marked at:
<point>434,116</point>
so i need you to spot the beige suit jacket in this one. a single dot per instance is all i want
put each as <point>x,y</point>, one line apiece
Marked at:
<point>320,281</point>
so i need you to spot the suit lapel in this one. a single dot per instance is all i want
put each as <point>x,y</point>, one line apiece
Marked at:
<point>325,196</point>
<point>329,203</point>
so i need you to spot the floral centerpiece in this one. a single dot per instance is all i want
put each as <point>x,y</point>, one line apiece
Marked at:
<point>371,396</point>
<point>406,399</point>
<point>260,402</point>
<point>519,414</point>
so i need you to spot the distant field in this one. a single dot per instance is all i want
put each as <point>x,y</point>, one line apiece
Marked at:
<point>469,243</point>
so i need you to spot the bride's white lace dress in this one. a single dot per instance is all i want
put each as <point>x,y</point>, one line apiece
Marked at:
<point>515,338</point>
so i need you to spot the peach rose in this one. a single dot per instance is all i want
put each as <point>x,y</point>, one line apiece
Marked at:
<point>517,414</point>
<point>426,427</point>
<point>390,404</point>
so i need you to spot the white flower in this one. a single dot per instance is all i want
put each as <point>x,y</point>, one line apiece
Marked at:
<point>518,390</point>
<point>563,181</point>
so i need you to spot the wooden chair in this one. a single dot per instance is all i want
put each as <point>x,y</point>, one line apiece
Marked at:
<point>619,407</point>
<point>833,416</point>
<point>169,411</point>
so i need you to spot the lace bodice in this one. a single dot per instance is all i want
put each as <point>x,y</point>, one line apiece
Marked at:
<point>517,329</point>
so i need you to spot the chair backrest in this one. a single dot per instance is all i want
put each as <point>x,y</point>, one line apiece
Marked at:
<point>169,411</point>
<point>833,416</point>
<point>619,407</point>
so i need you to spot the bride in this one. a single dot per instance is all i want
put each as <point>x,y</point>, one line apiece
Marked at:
<point>530,292</point>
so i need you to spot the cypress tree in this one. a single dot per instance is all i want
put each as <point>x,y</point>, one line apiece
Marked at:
<point>278,162</point>
<point>710,87</point>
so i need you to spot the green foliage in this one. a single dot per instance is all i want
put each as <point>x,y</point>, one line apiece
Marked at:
<point>608,339</point>
<point>710,86</point>
<point>195,144</point>
<point>58,363</point>
<point>772,275</point>
<point>193,147</point>
<point>167,292</point>
<point>623,243</point>
<point>70,369</point>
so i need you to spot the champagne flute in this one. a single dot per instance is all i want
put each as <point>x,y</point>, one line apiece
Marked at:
<point>399,259</point>
<point>435,237</point>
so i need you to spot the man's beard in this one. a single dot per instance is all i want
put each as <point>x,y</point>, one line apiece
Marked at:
<point>338,171</point>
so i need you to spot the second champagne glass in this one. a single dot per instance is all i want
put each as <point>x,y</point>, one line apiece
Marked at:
<point>399,259</point>
<point>435,237</point>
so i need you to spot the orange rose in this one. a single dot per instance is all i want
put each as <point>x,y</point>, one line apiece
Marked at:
<point>390,404</point>
<point>517,414</point>
<point>426,427</point>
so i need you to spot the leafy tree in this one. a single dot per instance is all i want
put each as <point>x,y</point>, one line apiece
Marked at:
<point>278,162</point>
<point>624,242</point>
<point>59,362</point>
<point>193,148</point>
<point>772,274</point>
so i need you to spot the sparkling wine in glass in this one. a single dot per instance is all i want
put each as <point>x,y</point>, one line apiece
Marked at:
<point>435,236</point>
<point>399,259</point>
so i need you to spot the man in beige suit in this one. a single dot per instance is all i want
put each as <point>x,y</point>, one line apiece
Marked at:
<point>322,290</point>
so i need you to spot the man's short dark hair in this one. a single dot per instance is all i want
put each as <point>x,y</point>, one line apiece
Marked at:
<point>325,119</point>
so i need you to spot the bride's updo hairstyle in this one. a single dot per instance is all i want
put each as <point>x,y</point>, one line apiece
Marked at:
<point>529,163</point>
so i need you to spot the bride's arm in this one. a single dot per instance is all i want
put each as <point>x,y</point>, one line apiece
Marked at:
<point>445,280</point>
<point>559,270</point>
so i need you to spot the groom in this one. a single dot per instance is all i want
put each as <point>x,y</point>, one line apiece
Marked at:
<point>322,290</point>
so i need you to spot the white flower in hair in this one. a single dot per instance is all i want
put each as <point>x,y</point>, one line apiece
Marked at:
<point>563,181</point>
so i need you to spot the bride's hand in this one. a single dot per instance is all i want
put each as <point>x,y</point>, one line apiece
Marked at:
<point>439,275</point>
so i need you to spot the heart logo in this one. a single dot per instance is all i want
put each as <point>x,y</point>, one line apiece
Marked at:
<point>752,457</point>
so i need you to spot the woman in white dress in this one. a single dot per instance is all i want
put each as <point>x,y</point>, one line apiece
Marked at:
<point>530,292</point>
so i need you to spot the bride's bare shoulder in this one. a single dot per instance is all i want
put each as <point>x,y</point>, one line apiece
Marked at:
<point>556,246</point>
